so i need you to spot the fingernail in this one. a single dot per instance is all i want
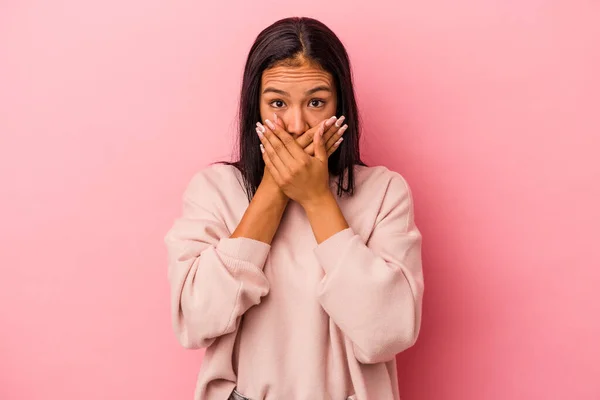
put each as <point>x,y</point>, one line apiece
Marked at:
<point>262,148</point>
<point>275,117</point>
<point>261,127</point>
<point>259,133</point>
<point>342,129</point>
<point>270,124</point>
<point>337,143</point>
<point>339,122</point>
<point>330,121</point>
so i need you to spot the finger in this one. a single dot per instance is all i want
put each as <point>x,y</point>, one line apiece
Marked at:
<point>276,144</point>
<point>332,128</point>
<point>274,156</point>
<point>306,139</point>
<point>320,151</point>
<point>269,164</point>
<point>292,147</point>
<point>332,125</point>
<point>334,138</point>
<point>336,131</point>
<point>310,149</point>
<point>334,147</point>
<point>329,122</point>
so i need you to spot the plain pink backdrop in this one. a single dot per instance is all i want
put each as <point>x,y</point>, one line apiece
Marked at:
<point>489,109</point>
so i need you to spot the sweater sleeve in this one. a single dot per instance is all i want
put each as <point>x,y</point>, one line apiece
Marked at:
<point>373,291</point>
<point>213,278</point>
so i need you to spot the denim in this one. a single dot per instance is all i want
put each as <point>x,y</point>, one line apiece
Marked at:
<point>235,395</point>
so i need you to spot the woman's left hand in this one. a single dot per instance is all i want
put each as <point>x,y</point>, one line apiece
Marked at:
<point>303,178</point>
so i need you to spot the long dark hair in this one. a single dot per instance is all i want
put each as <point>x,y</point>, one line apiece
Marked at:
<point>283,42</point>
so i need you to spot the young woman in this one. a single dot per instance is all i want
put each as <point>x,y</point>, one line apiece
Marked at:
<point>297,267</point>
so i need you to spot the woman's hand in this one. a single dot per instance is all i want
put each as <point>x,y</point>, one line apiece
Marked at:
<point>332,137</point>
<point>268,182</point>
<point>302,177</point>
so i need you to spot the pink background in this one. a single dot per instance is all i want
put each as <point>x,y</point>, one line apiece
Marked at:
<point>489,109</point>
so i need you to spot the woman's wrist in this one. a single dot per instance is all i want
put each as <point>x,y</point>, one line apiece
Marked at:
<point>273,193</point>
<point>263,215</point>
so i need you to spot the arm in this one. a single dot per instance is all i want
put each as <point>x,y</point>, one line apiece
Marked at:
<point>262,218</point>
<point>215,277</point>
<point>373,291</point>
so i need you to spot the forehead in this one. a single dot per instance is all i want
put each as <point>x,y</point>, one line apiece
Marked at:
<point>305,74</point>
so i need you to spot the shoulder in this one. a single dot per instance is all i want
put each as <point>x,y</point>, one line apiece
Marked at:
<point>214,181</point>
<point>380,178</point>
<point>389,192</point>
<point>381,194</point>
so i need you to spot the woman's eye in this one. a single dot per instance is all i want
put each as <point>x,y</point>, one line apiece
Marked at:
<point>313,103</point>
<point>277,102</point>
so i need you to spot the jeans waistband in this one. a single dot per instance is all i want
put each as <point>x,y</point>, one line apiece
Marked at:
<point>235,395</point>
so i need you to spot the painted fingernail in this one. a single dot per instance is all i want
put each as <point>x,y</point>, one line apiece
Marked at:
<point>261,127</point>
<point>342,129</point>
<point>270,124</point>
<point>340,121</point>
<point>262,148</point>
<point>275,117</point>
<point>336,143</point>
<point>330,121</point>
<point>259,133</point>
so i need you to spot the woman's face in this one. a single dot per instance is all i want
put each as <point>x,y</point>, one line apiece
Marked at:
<point>301,96</point>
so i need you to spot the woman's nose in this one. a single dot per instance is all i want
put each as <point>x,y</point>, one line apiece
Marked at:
<point>295,124</point>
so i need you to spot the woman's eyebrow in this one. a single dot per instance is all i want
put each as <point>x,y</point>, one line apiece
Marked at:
<point>308,92</point>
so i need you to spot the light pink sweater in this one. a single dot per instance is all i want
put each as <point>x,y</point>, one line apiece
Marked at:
<point>293,319</point>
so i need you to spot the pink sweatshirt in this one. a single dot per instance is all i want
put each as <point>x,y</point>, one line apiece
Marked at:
<point>293,319</point>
